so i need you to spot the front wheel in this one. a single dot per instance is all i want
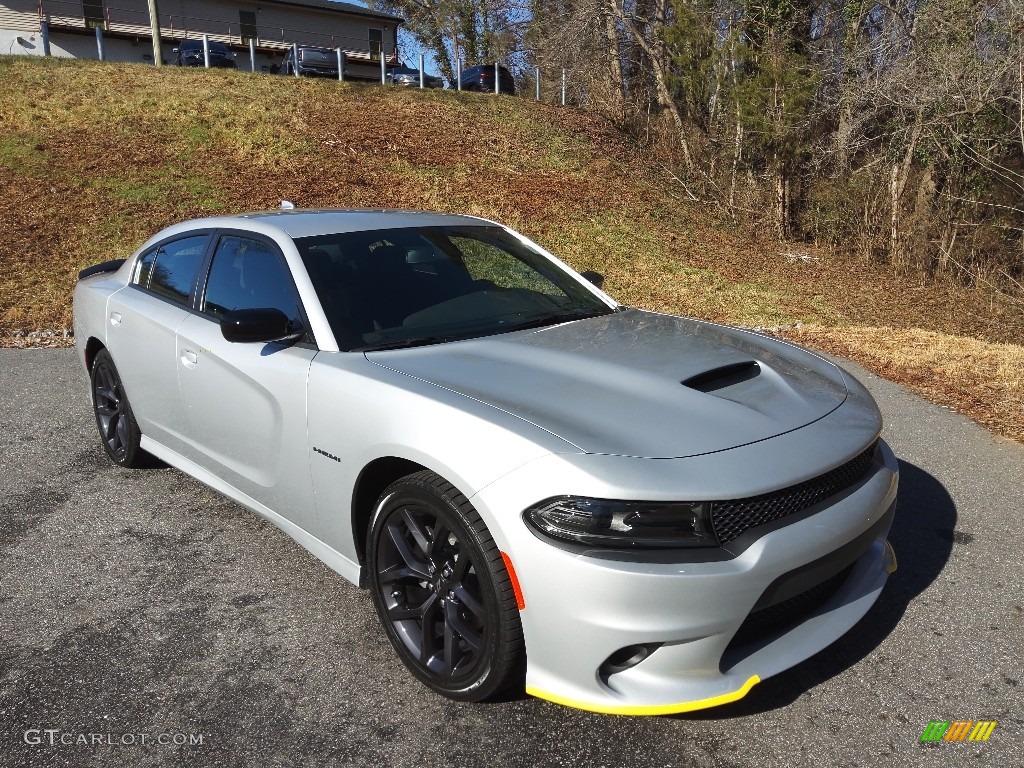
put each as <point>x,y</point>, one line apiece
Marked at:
<point>441,590</point>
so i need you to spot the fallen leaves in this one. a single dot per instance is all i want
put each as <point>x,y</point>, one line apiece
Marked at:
<point>982,379</point>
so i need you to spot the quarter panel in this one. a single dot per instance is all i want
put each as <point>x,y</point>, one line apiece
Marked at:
<point>90,309</point>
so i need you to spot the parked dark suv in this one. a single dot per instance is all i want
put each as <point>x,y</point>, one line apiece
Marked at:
<point>313,62</point>
<point>189,53</point>
<point>481,78</point>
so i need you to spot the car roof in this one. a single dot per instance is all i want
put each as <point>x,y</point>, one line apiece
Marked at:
<point>308,223</point>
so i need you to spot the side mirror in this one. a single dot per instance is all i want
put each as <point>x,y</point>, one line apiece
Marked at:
<point>593,277</point>
<point>256,326</point>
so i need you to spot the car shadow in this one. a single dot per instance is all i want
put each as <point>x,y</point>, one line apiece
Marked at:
<point>923,534</point>
<point>94,459</point>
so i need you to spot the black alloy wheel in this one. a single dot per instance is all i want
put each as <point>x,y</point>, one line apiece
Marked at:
<point>115,421</point>
<point>441,590</point>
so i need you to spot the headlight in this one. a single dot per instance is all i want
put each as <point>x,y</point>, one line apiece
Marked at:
<point>624,524</point>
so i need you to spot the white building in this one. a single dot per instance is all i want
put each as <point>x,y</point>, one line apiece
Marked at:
<point>273,26</point>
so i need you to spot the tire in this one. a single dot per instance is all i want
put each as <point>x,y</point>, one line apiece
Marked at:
<point>119,432</point>
<point>441,590</point>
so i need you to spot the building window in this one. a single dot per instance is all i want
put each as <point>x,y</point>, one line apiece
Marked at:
<point>376,43</point>
<point>248,21</point>
<point>92,10</point>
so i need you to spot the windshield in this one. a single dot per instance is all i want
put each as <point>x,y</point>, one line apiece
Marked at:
<point>392,288</point>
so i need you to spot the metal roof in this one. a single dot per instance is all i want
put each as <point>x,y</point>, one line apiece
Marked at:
<point>349,8</point>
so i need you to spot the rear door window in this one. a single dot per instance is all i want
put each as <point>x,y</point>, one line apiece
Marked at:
<point>170,269</point>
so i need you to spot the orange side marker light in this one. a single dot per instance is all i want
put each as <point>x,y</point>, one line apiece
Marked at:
<point>516,589</point>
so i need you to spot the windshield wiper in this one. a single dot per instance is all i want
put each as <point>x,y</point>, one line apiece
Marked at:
<point>533,322</point>
<point>419,341</point>
<point>555,319</point>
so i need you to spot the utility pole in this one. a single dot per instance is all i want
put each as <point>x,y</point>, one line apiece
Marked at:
<point>154,23</point>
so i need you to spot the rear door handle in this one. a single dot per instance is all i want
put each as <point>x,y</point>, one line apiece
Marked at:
<point>189,358</point>
<point>115,319</point>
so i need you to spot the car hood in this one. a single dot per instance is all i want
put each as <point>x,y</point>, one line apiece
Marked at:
<point>636,383</point>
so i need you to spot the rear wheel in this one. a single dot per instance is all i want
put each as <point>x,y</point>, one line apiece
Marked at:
<point>441,590</point>
<point>115,421</point>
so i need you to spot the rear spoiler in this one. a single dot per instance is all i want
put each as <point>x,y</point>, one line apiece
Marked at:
<point>107,266</point>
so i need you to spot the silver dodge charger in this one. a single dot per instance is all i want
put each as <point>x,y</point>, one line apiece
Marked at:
<point>622,511</point>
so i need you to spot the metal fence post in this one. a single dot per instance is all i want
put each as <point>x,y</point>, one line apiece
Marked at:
<point>99,43</point>
<point>295,58</point>
<point>206,51</point>
<point>44,32</point>
<point>497,80</point>
<point>563,86</point>
<point>252,54</point>
<point>458,74</point>
<point>422,85</point>
<point>341,66</point>
<point>536,80</point>
<point>154,28</point>
<point>383,65</point>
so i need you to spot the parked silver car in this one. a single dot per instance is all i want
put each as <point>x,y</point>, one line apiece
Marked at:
<point>627,512</point>
<point>411,77</point>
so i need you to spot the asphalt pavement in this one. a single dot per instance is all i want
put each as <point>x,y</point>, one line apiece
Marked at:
<point>146,620</point>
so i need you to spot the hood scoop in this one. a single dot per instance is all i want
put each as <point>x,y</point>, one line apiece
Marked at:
<point>723,376</point>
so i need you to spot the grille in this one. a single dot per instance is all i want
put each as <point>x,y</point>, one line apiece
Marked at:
<point>777,618</point>
<point>731,519</point>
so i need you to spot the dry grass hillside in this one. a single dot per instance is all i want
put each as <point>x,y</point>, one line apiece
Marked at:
<point>96,157</point>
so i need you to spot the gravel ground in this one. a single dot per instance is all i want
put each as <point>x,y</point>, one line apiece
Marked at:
<point>138,607</point>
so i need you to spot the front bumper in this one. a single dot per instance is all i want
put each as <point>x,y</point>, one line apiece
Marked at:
<point>415,82</point>
<point>318,72</point>
<point>192,61</point>
<point>583,612</point>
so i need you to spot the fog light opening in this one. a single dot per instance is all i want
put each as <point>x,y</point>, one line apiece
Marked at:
<point>626,658</point>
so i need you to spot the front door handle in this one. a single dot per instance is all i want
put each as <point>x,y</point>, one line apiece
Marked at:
<point>189,358</point>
